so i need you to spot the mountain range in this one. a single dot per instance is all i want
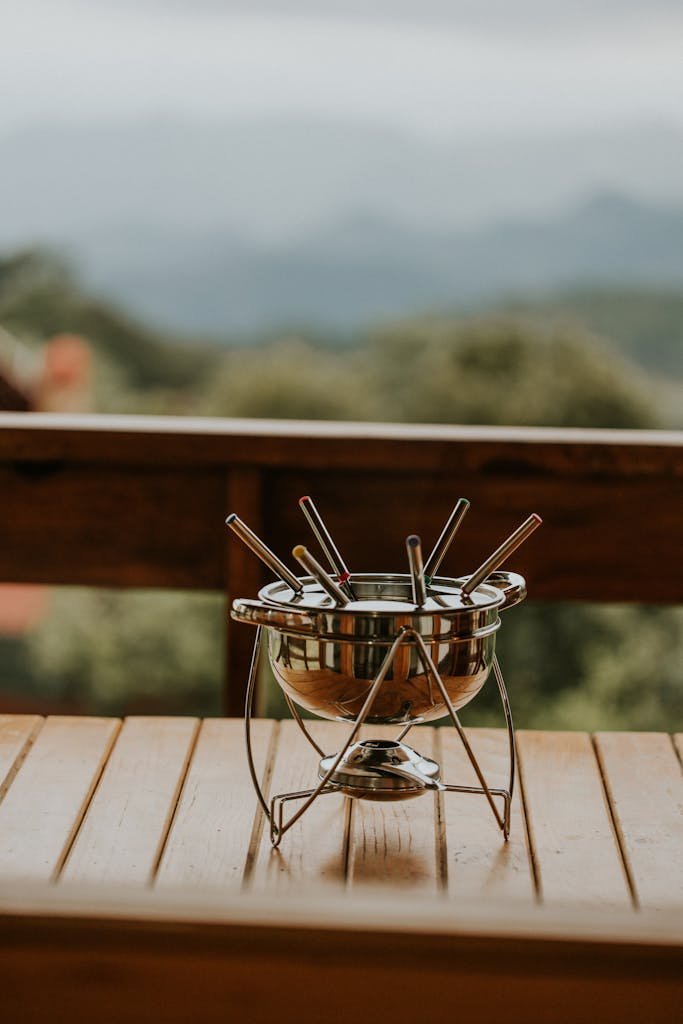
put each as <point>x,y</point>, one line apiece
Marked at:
<point>253,226</point>
<point>360,271</point>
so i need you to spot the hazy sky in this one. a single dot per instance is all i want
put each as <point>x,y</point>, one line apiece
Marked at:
<point>449,67</point>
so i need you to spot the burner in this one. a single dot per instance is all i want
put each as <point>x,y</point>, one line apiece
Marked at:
<point>381,770</point>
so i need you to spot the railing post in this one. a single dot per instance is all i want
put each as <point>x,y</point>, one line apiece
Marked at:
<point>244,576</point>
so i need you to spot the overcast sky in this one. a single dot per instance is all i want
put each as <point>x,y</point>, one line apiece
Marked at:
<point>447,67</point>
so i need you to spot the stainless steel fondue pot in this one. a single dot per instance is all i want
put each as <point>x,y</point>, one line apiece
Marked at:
<point>380,649</point>
<point>326,657</point>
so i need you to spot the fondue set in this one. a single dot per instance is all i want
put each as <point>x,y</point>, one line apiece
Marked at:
<point>380,649</point>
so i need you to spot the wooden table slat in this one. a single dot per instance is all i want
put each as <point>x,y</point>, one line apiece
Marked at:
<point>313,853</point>
<point>127,821</point>
<point>645,785</point>
<point>394,843</point>
<point>43,808</point>
<point>480,864</point>
<point>576,852</point>
<point>17,733</point>
<point>210,835</point>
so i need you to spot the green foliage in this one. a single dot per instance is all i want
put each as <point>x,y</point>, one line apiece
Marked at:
<point>118,652</point>
<point>39,298</point>
<point>495,370</point>
<point>645,324</point>
<point>287,379</point>
<point>589,667</point>
<point>502,370</point>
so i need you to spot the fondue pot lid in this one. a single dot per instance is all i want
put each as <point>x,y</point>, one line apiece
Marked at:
<point>384,594</point>
<point>384,605</point>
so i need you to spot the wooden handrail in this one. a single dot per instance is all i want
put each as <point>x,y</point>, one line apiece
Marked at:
<point>141,501</point>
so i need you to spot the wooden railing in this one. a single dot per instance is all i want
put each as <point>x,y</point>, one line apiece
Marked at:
<point>141,502</point>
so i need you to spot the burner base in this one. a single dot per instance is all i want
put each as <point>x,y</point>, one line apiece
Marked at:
<point>381,770</point>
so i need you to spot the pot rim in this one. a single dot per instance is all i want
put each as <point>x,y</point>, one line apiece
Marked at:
<point>377,623</point>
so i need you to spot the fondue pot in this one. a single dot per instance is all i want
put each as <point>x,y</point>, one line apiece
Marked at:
<point>380,649</point>
<point>326,657</point>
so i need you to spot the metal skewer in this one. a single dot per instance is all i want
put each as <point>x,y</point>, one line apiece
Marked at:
<point>444,542</point>
<point>327,544</point>
<point>414,549</point>
<point>495,560</point>
<point>314,568</point>
<point>264,553</point>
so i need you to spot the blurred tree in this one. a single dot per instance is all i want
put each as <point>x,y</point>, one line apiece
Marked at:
<point>502,370</point>
<point>286,379</point>
<point>39,298</point>
<point>154,650</point>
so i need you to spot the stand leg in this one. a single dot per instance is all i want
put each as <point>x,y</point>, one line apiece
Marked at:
<point>508,719</point>
<point>278,832</point>
<point>277,805</point>
<point>432,671</point>
<point>300,722</point>
<point>248,708</point>
<point>274,813</point>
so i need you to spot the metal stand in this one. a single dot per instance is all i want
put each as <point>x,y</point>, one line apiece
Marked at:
<point>275,812</point>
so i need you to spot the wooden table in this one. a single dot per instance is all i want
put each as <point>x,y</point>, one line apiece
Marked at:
<point>136,880</point>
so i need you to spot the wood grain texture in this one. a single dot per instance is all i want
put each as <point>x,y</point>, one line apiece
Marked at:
<point>643,779</point>
<point>168,440</point>
<point>312,853</point>
<point>133,972</point>
<point>125,827</point>
<point>68,478</point>
<point>480,864</point>
<point>17,733</point>
<point>104,525</point>
<point>576,555</point>
<point>575,850</point>
<point>43,808</point>
<point>209,839</point>
<point>396,844</point>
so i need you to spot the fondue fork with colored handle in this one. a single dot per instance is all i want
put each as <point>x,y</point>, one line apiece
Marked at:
<point>330,549</point>
<point>315,569</point>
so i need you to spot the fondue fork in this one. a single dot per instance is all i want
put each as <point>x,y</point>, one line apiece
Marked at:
<point>444,542</point>
<point>414,549</point>
<point>495,560</point>
<point>330,549</point>
<point>264,553</point>
<point>315,569</point>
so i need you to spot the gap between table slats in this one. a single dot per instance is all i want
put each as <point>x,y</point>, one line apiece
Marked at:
<point>313,853</point>
<point>125,827</point>
<point>678,746</point>
<point>217,817</point>
<point>397,843</point>
<point>43,808</point>
<point>17,734</point>
<point>480,864</point>
<point>645,786</point>
<point>576,853</point>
